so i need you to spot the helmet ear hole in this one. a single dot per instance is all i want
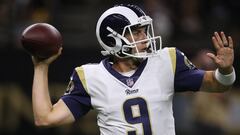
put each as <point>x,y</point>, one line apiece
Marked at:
<point>111,42</point>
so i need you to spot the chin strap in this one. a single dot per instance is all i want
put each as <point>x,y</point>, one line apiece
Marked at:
<point>105,53</point>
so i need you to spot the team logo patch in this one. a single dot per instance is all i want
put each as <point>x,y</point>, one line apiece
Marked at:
<point>188,63</point>
<point>70,88</point>
<point>130,82</point>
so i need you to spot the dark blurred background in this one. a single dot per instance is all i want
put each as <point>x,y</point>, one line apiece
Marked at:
<point>185,24</point>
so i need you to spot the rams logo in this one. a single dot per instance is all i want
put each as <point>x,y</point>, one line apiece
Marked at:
<point>70,88</point>
<point>188,63</point>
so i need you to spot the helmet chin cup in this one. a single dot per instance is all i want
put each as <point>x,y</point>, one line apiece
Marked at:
<point>105,53</point>
<point>126,49</point>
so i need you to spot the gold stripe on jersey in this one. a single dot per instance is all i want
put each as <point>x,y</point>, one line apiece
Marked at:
<point>172,53</point>
<point>81,76</point>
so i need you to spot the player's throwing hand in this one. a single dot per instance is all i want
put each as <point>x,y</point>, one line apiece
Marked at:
<point>39,61</point>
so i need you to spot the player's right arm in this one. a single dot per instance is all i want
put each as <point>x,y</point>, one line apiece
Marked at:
<point>45,113</point>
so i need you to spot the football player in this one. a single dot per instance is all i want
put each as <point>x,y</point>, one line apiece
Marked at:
<point>132,89</point>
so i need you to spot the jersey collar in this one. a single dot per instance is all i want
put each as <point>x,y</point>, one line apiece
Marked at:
<point>129,81</point>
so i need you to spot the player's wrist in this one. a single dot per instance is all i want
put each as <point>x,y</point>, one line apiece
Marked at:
<point>225,79</point>
<point>41,67</point>
<point>226,71</point>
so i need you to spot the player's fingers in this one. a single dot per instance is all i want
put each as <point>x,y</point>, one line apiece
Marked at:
<point>61,48</point>
<point>212,56</point>
<point>224,40</point>
<point>219,40</point>
<point>60,51</point>
<point>56,55</point>
<point>230,40</point>
<point>215,43</point>
<point>33,59</point>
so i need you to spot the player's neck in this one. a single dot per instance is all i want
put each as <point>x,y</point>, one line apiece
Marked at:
<point>125,65</point>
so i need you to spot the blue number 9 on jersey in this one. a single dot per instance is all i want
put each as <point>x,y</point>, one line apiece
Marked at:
<point>136,112</point>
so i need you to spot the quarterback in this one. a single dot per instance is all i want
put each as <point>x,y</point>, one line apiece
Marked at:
<point>132,88</point>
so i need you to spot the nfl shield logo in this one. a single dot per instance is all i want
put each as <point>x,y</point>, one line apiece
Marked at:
<point>130,82</point>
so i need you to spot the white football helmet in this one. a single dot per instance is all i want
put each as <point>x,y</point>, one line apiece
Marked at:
<point>119,20</point>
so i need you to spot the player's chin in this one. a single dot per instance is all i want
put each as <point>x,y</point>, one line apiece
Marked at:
<point>138,60</point>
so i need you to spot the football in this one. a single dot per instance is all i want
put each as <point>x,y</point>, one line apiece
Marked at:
<point>41,40</point>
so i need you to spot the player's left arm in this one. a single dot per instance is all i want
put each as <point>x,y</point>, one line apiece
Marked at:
<point>221,79</point>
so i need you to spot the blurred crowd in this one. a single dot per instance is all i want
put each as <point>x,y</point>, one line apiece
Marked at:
<point>185,24</point>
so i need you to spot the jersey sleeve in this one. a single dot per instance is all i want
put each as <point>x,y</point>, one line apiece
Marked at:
<point>187,76</point>
<point>76,97</point>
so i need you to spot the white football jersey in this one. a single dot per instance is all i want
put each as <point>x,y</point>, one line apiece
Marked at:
<point>137,105</point>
